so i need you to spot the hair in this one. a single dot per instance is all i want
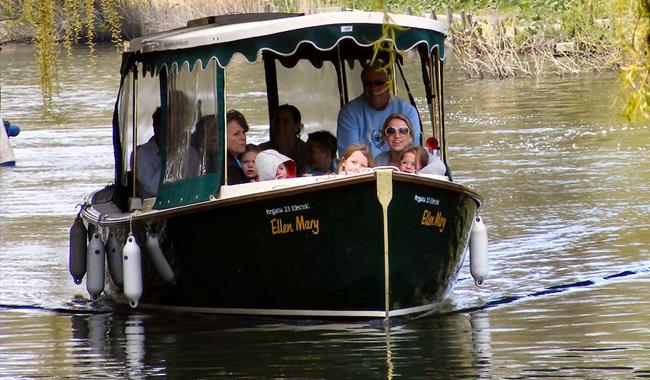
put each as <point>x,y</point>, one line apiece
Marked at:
<point>252,148</point>
<point>199,131</point>
<point>326,139</point>
<point>394,116</point>
<point>363,148</point>
<point>293,110</point>
<point>378,64</point>
<point>238,117</point>
<point>421,155</point>
<point>295,114</point>
<point>155,118</point>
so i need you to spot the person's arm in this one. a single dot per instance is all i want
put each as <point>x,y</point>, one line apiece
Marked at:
<point>148,175</point>
<point>413,116</point>
<point>347,130</point>
<point>236,174</point>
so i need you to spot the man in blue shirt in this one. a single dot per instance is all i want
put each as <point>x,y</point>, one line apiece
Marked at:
<point>361,120</point>
<point>148,161</point>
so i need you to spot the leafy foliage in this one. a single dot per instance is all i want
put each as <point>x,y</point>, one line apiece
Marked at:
<point>42,14</point>
<point>522,43</point>
<point>633,33</point>
<point>50,19</point>
<point>72,27</point>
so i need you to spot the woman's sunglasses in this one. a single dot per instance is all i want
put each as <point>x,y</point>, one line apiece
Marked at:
<point>402,131</point>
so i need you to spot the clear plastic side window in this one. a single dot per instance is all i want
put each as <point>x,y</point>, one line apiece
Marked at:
<point>319,109</point>
<point>148,98</point>
<point>192,144</point>
<point>125,113</point>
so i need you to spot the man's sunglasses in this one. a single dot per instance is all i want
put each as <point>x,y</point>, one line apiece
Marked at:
<point>405,131</point>
<point>376,83</point>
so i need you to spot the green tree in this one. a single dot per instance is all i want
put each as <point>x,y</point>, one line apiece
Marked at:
<point>76,16</point>
<point>70,21</point>
<point>632,28</point>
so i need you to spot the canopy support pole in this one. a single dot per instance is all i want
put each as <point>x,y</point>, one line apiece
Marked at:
<point>271,77</point>
<point>135,128</point>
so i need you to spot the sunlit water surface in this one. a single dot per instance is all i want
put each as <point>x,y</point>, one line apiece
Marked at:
<point>567,204</point>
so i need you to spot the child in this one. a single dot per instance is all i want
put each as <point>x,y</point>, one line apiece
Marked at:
<point>248,162</point>
<point>413,159</point>
<point>355,158</point>
<point>273,165</point>
<point>321,153</point>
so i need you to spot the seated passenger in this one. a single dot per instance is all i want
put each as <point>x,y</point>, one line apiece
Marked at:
<point>413,159</point>
<point>148,161</point>
<point>248,162</point>
<point>355,158</point>
<point>236,139</point>
<point>397,132</point>
<point>359,120</point>
<point>321,153</point>
<point>203,147</point>
<point>286,127</point>
<point>271,164</point>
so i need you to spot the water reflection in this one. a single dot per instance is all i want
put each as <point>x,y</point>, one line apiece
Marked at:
<point>195,345</point>
<point>481,342</point>
<point>556,336</point>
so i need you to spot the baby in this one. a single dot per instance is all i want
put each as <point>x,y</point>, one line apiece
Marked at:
<point>271,164</point>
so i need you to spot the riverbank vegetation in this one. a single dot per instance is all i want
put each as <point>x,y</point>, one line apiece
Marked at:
<point>490,38</point>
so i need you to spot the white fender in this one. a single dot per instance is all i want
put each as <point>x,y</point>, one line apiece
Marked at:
<point>114,259</point>
<point>132,267</point>
<point>78,248</point>
<point>95,262</point>
<point>158,259</point>
<point>478,251</point>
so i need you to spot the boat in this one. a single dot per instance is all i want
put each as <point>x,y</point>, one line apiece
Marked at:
<point>375,244</point>
<point>7,130</point>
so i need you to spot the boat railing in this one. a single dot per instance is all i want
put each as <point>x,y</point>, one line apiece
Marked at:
<point>232,191</point>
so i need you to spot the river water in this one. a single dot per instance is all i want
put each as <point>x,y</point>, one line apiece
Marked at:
<point>567,189</point>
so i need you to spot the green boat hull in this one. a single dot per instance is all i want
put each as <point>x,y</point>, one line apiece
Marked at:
<point>319,251</point>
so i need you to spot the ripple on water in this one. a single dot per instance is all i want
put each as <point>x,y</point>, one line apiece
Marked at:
<point>567,206</point>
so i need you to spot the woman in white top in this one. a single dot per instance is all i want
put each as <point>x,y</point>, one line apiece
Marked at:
<point>398,134</point>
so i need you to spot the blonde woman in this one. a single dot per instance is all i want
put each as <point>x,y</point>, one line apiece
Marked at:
<point>398,134</point>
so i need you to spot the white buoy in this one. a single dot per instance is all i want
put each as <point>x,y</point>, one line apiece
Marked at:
<point>7,157</point>
<point>158,259</point>
<point>131,263</point>
<point>78,247</point>
<point>114,259</point>
<point>95,262</point>
<point>478,251</point>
